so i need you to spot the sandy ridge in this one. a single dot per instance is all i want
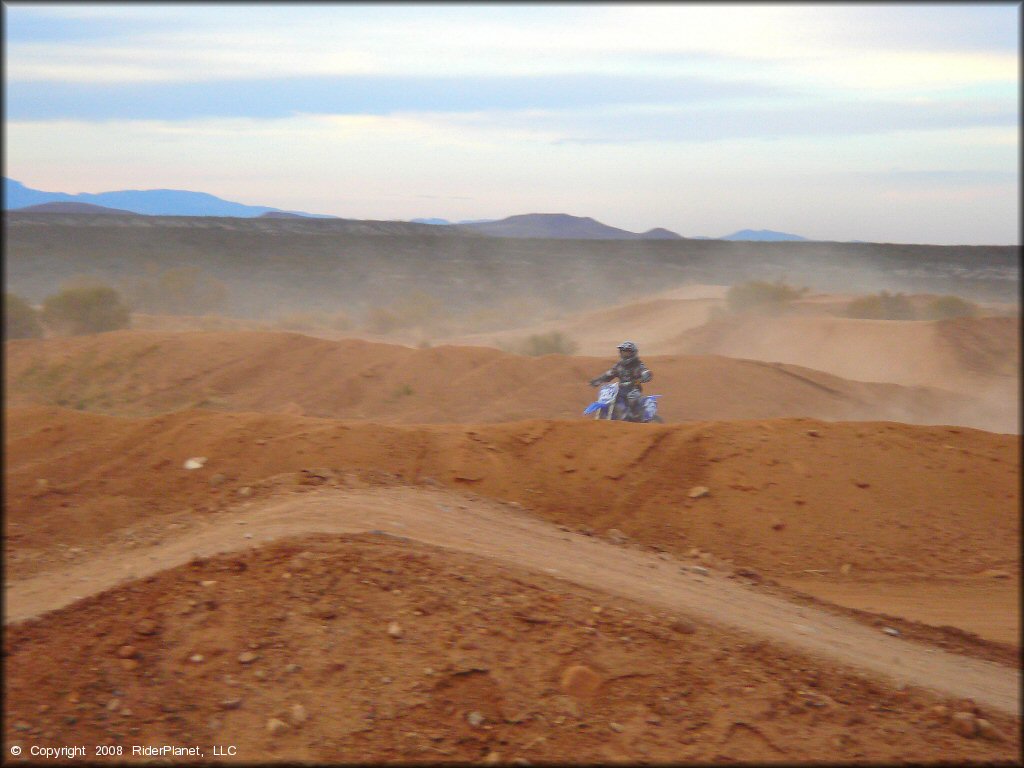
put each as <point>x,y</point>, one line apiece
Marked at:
<point>508,535</point>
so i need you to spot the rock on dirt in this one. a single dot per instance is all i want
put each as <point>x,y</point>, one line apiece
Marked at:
<point>683,627</point>
<point>615,536</point>
<point>147,627</point>
<point>988,731</point>
<point>276,726</point>
<point>580,681</point>
<point>965,724</point>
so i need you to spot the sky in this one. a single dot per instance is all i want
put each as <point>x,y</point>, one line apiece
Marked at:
<point>895,123</point>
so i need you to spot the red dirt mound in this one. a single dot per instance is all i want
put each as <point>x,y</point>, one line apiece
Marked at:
<point>846,502</point>
<point>963,354</point>
<point>649,323</point>
<point>365,649</point>
<point>138,373</point>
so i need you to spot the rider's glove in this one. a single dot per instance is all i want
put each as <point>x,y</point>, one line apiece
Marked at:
<point>594,382</point>
<point>645,376</point>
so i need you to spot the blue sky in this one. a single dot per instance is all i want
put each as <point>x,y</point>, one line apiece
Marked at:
<point>882,122</point>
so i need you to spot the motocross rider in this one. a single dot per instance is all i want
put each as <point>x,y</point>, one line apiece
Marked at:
<point>631,372</point>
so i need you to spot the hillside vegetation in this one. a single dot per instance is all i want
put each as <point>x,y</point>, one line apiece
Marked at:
<point>271,266</point>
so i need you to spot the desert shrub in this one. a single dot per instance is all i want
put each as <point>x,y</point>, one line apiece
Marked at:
<point>21,319</point>
<point>761,296</point>
<point>83,310</point>
<point>553,343</point>
<point>946,307</point>
<point>881,306</point>
<point>180,291</point>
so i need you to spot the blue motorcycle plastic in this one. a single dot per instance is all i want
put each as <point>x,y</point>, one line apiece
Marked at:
<point>610,407</point>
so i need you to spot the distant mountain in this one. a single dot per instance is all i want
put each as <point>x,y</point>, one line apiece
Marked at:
<point>445,222</point>
<point>72,208</point>
<point>660,233</point>
<point>561,226</point>
<point>153,202</point>
<point>764,235</point>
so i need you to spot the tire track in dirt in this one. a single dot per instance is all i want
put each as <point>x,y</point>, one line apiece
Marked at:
<point>505,534</point>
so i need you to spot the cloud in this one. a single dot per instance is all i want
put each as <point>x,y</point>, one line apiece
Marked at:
<point>357,94</point>
<point>763,120</point>
<point>579,108</point>
<point>870,47</point>
<point>739,112</point>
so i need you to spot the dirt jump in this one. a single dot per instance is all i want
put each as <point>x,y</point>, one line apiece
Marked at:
<point>341,550</point>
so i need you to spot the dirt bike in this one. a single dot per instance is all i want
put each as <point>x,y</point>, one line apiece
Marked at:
<point>610,407</point>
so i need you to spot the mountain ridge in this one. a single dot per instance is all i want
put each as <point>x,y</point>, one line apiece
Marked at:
<point>149,202</point>
<point>72,207</point>
<point>763,235</point>
<point>562,226</point>
<point>176,202</point>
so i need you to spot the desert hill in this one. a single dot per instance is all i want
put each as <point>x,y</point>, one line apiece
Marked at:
<point>88,208</point>
<point>146,372</point>
<point>271,266</point>
<point>151,202</point>
<point>650,321</point>
<point>561,226</point>
<point>955,353</point>
<point>762,234</point>
<point>979,356</point>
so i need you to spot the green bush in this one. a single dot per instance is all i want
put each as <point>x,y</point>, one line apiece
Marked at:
<point>881,306</point>
<point>181,291</point>
<point>946,307</point>
<point>83,310</point>
<point>761,296</point>
<point>21,319</point>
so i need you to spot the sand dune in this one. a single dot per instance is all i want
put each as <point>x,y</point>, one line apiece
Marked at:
<point>957,354</point>
<point>149,372</point>
<point>651,323</point>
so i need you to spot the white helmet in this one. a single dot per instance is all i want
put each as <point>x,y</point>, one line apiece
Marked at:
<point>628,350</point>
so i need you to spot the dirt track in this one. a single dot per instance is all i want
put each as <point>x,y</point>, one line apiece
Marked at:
<point>498,532</point>
<point>722,584</point>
